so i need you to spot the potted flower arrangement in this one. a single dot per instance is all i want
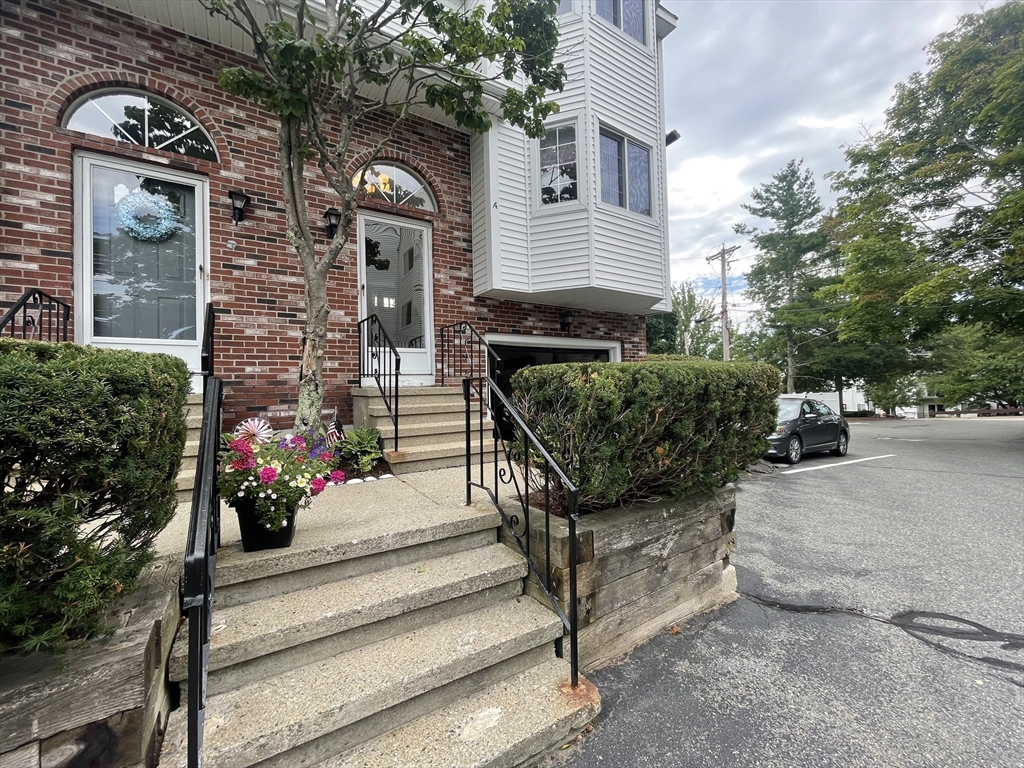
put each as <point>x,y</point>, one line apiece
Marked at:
<point>268,478</point>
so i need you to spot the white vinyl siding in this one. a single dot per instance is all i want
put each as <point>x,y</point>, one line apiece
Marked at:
<point>513,203</point>
<point>581,253</point>
<point>483,243</point>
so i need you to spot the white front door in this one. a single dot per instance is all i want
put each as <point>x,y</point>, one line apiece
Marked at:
<point>140,257</point>
<point>395,285</point>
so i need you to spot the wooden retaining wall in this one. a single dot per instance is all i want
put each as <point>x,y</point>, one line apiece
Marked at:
<point>641,568</point>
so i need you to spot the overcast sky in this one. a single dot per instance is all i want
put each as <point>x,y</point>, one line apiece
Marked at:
<point>751,84</point>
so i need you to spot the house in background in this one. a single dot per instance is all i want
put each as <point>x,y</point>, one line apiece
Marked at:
<point>121,153</point>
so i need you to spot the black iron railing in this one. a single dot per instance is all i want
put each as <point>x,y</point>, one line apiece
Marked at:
<point>201,548</point>
<point>537,469</point>
<point>465,354</point>
<point>37,315</point>
<point>380,361</point>
<point>206,352</point>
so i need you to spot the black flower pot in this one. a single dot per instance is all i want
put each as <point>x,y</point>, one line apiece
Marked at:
<point>255,535</point>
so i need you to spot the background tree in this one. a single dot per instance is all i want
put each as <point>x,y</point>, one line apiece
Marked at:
<point>894,392</point>
<point>931,217</point>
<point>662,333</point>
<point>326,77</point>
<point>699,333</point>
<point>973,367</point>
<point>788,252</point>
<point>688,329</point>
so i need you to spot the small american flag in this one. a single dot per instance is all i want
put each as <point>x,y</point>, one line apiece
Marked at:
<point>332,431</point>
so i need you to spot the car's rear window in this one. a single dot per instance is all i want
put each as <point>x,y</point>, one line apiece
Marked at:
<point>788,409</point>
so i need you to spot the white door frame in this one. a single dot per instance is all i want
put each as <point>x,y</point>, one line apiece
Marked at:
<point>84,162</point>
<point>421,378</point>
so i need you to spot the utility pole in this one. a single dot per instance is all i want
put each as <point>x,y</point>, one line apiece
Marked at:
<point>723,255</point>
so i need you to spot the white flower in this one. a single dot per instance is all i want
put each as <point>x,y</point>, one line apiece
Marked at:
<point>273,495</point>
<point>240,493</point>
<point>262,495</point>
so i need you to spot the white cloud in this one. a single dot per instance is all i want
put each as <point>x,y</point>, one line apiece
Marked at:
<point>750,86</point>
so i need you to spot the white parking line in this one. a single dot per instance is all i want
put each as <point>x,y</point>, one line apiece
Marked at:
<point>837,464</point>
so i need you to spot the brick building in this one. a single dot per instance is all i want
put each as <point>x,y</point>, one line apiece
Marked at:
<point>120,150</point>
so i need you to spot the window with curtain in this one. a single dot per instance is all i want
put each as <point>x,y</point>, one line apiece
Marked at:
<point>627,15</point>
<point>625,173</point>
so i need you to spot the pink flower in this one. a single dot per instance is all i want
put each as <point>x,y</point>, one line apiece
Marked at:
<point>268,475</point>
<point>243,463</point>
<point>241,447</point>
<point>298,441</point>
<point>328,457</point>
<point>317,484</point>
<point>337,476</point>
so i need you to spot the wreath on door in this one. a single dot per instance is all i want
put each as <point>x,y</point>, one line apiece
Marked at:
<point>147,217</point>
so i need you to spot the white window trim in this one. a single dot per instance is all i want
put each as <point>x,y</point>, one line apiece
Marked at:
<point>626,138</point>
<point>539,208</point>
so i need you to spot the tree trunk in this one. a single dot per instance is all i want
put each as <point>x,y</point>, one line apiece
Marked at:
<point>790,362</point>
<point>839,389</point>
<point>314,343</point>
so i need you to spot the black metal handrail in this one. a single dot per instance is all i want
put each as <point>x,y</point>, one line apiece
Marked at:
<point>379,360</point>
<point>201,547</point>
<point>57,314</point>
<point>465,354</point>
<point>206,352</point>
<point>533,453</point>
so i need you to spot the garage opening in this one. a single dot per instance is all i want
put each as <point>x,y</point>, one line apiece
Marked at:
<point>515,358</point>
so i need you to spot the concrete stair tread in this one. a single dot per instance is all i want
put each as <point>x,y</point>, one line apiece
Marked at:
<point>282,712</point>
<point>503,725</point>
<point>410,392</point>
<point>435,451</point>
<point>185,479</point>
<point>417,409</point>
<point>253,629</point>
<point>347,522</point>
<point>437,427</point>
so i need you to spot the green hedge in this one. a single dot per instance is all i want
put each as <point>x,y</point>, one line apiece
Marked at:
<point>90,443</point>
<point>630,431</point>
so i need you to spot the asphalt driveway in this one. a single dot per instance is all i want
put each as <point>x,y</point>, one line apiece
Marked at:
<point>881,623</point>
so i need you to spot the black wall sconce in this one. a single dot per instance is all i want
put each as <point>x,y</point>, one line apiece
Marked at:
<point>565,321</point>
<point>238,202</point>
<point>332,217</point>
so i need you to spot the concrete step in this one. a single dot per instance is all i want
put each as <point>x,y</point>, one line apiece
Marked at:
<point>350,531</point>
<point>415,395</point>
<point>185,481</point>
<point>410,435</point>
<point>504,725</point>
<point>305,714</point>
<point>419,413</point>
<point>439,455</point>
<point>264,638</point>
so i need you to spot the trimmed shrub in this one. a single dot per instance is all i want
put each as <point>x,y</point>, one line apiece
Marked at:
<point>859,414</point>
<point>90,443</point>
<point>630,431</point>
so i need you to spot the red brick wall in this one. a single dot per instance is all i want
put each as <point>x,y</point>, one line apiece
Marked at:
<point>54,52</point>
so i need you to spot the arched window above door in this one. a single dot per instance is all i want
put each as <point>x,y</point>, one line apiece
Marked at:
<point>139,118</point>
<point>398,184</point>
